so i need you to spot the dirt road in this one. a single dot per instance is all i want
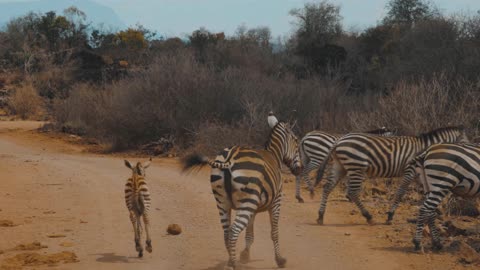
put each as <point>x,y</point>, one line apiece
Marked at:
<point>50,188</point>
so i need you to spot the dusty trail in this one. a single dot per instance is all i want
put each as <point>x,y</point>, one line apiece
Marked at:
<point>47,188</point>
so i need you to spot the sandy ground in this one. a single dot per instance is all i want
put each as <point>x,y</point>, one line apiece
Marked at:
<point>49,187</point>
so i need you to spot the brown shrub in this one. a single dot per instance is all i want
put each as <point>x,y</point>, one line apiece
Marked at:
<point>422,106</point>
<point>177,96</point>
<point>25,102</point>
<point>82,112</point>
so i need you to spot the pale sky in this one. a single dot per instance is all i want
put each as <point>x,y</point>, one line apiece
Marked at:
<point>177,17</point>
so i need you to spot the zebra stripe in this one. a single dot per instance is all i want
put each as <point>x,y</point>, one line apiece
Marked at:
<point>137,199</point>
<point>358,156</point>
<point>314,148</point>
<point>444,169</point>
<point>251,184</point>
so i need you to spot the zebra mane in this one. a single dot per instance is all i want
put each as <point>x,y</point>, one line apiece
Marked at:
<point>267,143</point>
<point>441,130</point>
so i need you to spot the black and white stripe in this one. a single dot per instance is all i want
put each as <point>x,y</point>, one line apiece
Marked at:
<point>137,199</point>
<point>360,155</point>
<point>314,148</point>
<point>249,181</point>
<point>444,169</point>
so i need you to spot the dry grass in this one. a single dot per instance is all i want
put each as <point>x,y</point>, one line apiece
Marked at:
<point>423,106</point>
<point>25,102</point>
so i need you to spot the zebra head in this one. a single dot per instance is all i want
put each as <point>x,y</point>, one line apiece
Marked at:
<point>284,142</point>
<point>138,169</point>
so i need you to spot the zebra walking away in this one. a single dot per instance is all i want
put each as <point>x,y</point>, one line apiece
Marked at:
<point>314,148</point>
<point>444,169</point>
<point>249,182</point>
<point>137,198</point>
<point>359,155</point>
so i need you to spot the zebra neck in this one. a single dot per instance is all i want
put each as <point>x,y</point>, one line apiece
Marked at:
<point>276,149</point>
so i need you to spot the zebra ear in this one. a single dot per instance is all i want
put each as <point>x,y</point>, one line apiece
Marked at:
<point>272,120</point>
<point>128,164</point>
<point>146,164</point>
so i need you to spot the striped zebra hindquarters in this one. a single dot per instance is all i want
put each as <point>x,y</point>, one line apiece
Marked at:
<point>137,199</point>
<point>439,136</point>
<point>313,150</point>
<point>249,181</point>
<point>446,168</point>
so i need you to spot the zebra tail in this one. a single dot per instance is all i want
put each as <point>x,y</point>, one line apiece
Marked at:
<point>321,170</point>
<point>197,160</point>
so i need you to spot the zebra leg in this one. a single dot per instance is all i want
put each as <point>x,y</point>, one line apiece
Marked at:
<point>148,242</point>
<point>436,242</point>
<point>298,180</point>
<point>353,192</point>
<point>274,212</point>
<point>133,219</point>
<point>245,255</point>
<point>402,189</point>
<point>422,218</point>
<point>334,174</point>
<point>138,243</point>
<point>225,216</point>
<point>242,218</point>
<point>428,214</point>
<point>305,176</point>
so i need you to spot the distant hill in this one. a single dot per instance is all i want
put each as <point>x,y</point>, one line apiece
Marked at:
<point>96,13</point>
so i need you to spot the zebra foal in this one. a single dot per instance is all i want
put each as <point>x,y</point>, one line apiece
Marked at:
<point>249,181</point>
<point>137,199</point>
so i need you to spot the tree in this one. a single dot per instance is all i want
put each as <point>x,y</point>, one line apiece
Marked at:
<point>318,25</point>
<point>409,11</point>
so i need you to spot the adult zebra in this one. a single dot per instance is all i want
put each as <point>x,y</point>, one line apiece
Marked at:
<point>360,155</point>
<point>314,148</point>
<point>443,169</point>
<point>249,181</point>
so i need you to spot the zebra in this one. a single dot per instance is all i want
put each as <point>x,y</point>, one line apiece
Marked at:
<point>249,181</point>
<point>443,169</point>
<point>137,199</point>
<point>314,148</point>
<point>358,155</point>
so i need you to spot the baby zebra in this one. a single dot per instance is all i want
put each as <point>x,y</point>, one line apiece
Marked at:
<point>249,181</point>
<point>137,198</point>
<point>443,169</point>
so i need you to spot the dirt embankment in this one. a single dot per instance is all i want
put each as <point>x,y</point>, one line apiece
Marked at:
<point>68,205</point>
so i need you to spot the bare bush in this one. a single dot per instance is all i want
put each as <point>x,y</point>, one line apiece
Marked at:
<point>177,95</point>
<point>83,112</point>
<point>25,102</point>
<point>422,106</point>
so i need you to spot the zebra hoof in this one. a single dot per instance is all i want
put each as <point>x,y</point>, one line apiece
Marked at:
<point>437,246</point>
<point>148,246</point>
<point>245,256</point>
<point>320,221</point>
<point>140,254</point>
<point>417,246</point>
<point>389,218</point>
<point>281,262</point>
<point>300,199</point>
